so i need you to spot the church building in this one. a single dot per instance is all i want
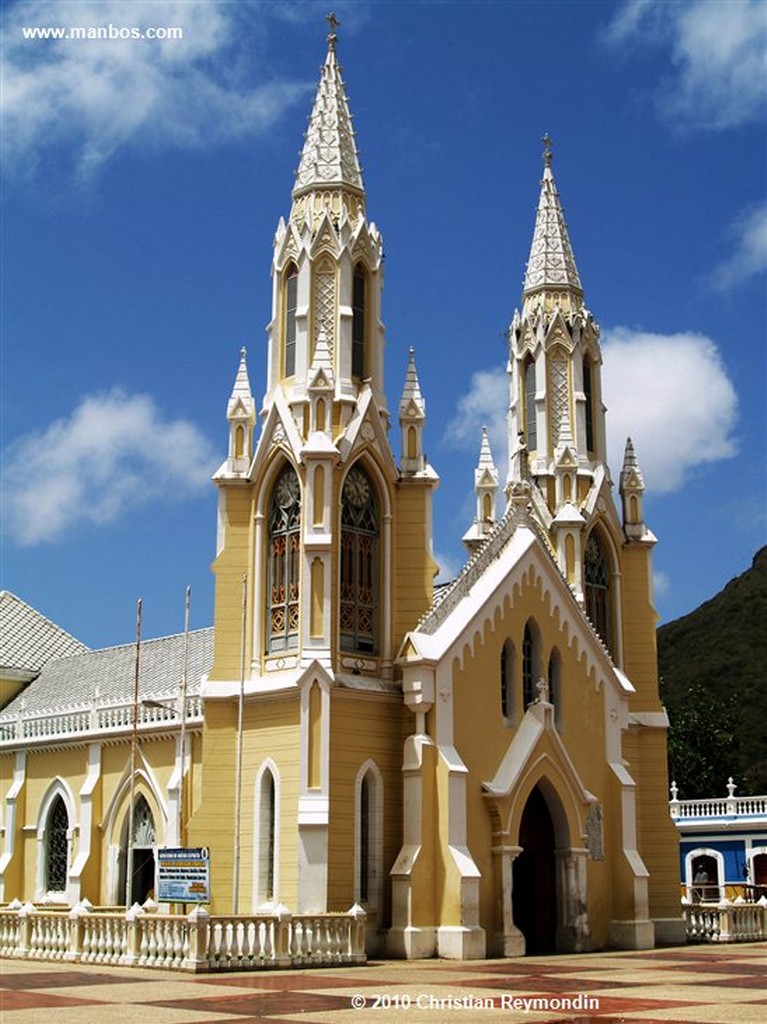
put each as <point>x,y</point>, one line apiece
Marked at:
<point>481,766</point>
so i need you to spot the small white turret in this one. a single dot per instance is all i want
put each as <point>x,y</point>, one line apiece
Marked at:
<point>632,495</point>
<point>241,414</point>
<point>486,490</point>
<point>412,417</point>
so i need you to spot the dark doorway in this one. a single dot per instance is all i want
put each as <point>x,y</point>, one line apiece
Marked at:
<point>705,877</point>
<point>534,888</point>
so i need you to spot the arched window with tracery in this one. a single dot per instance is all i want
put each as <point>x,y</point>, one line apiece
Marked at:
<point>359,564</point>
<point>57,847</point>
<point>597,579</point>
<point>359,297</point>
<point>290,303</point>
<point>284,562</point>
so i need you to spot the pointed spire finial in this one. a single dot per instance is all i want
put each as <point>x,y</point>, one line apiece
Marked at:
<point>547,154</point>
<point>334,23</point>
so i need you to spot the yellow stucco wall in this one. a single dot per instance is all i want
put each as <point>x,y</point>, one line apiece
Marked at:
<point>362,728</point>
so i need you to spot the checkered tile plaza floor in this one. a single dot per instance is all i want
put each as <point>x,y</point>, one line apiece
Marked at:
<point>686,985</point>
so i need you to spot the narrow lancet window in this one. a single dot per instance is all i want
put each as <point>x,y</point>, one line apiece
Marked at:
<point>267,837</point>
<point>359,564</point>
<point>531,427</point>
<point>57,846</point>
<point>284,562</point>
<point>507,679</point>
<point>589,408</point>
<point>291,301</point>
<point>358,322</point>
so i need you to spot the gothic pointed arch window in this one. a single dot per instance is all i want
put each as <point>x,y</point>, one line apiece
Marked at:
<point>589,406</point>
<point>531,426</point>
<point>597,587</point>
<point>531,668</point>
<point>358,611</point>
<point>359,312</point>
<point>507,679</point>
<point>56,846</point>
<point>283,588</point>
<point>267,836</point>
<point>368,836</point>
<point>290,303</point>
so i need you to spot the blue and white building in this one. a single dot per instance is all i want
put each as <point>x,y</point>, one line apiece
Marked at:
<point>722,845</point>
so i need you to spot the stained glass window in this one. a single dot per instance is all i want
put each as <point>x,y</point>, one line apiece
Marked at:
<point>144,833</point>
<point>359,564</point>
<point>597,588</point>
<point>57,847</point>
<point>284,562</point>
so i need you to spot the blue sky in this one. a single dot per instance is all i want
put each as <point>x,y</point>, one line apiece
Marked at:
<point>143,181</point>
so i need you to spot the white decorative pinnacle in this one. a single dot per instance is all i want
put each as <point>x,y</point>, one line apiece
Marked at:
<point>322,364</point>
<point>631,474</point>
<point>551,262</point>
<point>411,393</point>
<point>486,471</point>
<point>329,156</point>
<point>241,400</point>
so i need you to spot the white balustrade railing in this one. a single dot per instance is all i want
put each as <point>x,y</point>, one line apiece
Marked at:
<point>95,719</point>
<point>197,942</point>
<point>726,807</point>
<point>725,921</point>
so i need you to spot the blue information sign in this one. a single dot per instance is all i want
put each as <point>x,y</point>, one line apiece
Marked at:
<point>183,876</point>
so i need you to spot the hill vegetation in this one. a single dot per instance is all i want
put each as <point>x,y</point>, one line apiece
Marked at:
<point>713,683</point>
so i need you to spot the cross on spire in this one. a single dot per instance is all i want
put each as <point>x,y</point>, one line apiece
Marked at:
<point>547,144</point>
<point>333,22</point>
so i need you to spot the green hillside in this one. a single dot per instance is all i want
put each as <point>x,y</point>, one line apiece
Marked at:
<point>713,683</point>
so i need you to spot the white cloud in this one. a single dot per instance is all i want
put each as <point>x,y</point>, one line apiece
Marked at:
<point>672,395</point>
<point>96,96</point>
<point>661,582</point>
<point>669,392</point>
<point>718,57</point>
<point>485,404</point>
<point>748,233</point>
<point>113,454</point>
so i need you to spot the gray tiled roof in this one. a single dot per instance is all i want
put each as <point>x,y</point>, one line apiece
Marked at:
<point>110,674</point>
<point>27,639</point>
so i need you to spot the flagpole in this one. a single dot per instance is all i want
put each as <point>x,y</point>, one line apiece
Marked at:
<point>182,701</point>
<point>238,766</point>
<point>133,751</point>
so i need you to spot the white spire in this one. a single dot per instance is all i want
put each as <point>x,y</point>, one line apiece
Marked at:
<point>551,263</point>
<point>631,475</point>
<point>241,400</point>
<point>329,157</point>
<point>412,400</point>
<point>486,472</point>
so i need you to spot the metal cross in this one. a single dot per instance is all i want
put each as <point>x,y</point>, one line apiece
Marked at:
<point>547,144</point>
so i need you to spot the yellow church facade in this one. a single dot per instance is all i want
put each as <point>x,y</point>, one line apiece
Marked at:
<point>480,766</point>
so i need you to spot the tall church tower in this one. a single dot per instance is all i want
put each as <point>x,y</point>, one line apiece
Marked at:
<point>324,551</point>
<point>558,468</point>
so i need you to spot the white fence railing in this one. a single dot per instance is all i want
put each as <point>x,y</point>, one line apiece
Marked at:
<point>197,942</point>
<point>725,921</point>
